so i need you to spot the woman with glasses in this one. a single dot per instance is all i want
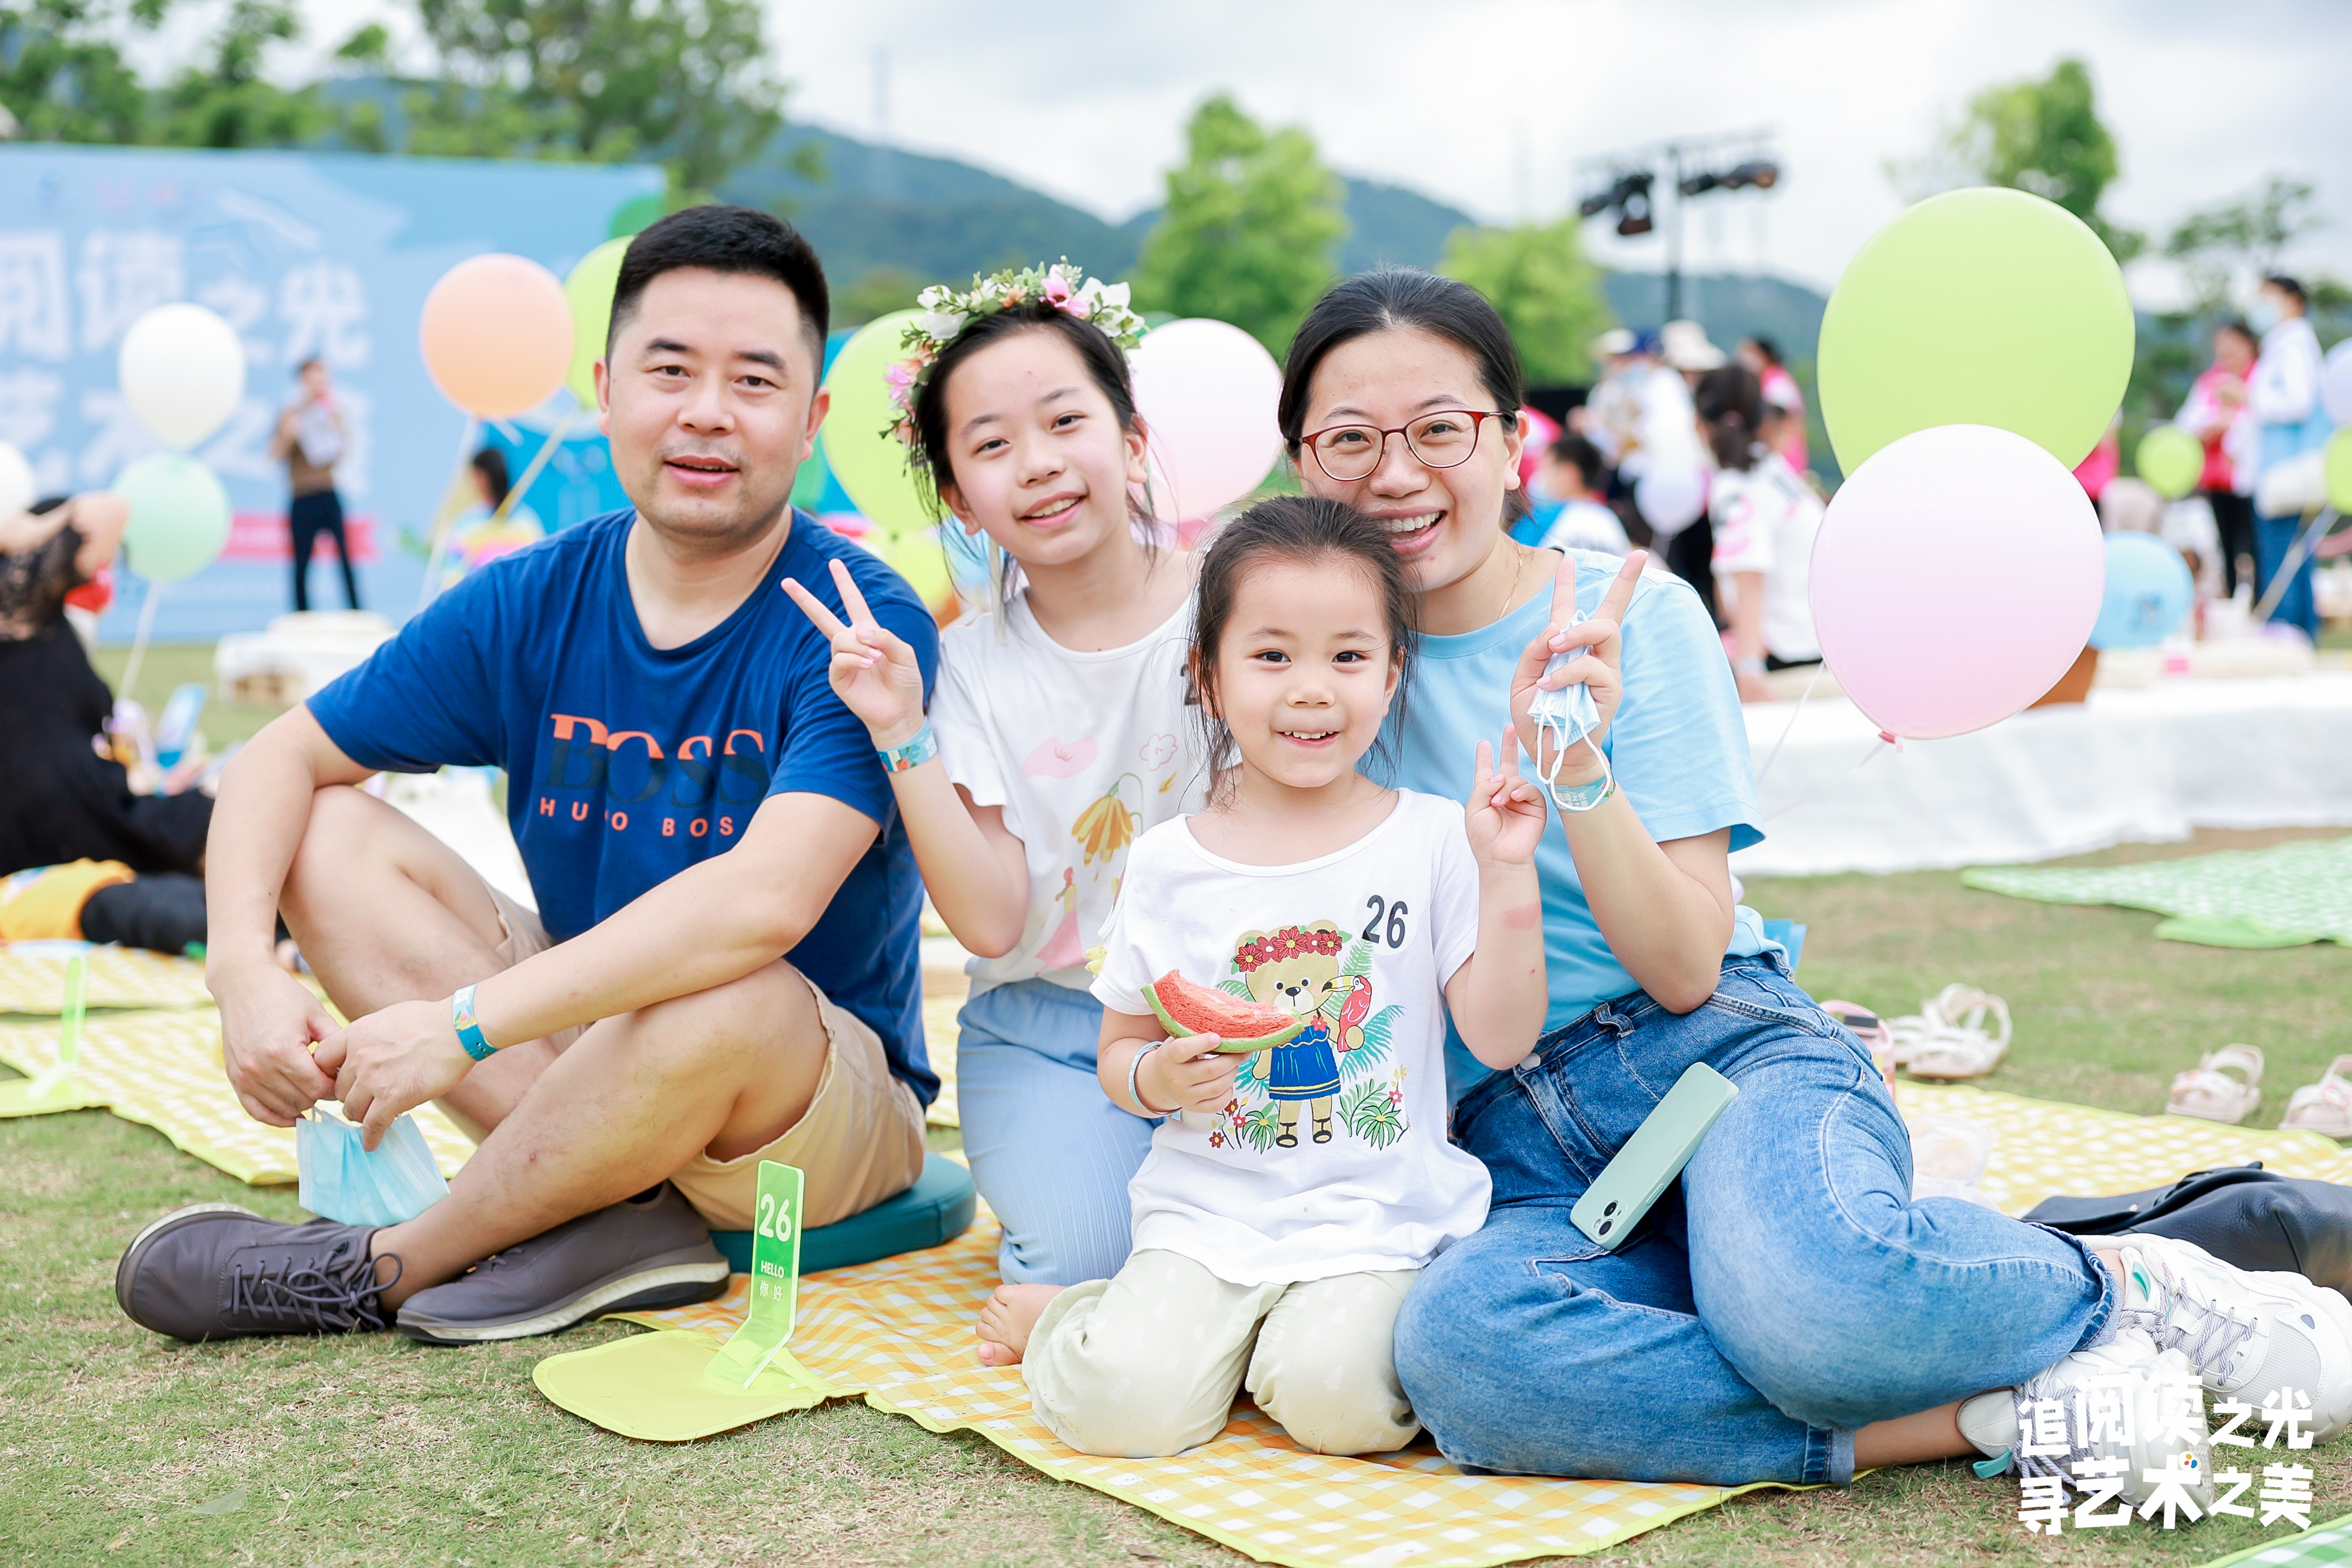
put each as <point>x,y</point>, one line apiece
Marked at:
<point>1786,1312</point>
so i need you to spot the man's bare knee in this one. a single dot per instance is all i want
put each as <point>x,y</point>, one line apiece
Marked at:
<point>747,1019</point>
<point>351,842</point>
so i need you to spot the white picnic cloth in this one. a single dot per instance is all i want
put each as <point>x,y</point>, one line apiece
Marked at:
<point>2144,766</point>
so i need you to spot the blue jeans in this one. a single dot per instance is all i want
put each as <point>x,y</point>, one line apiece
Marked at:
<point>1786,1292</point>
<point>1048,1150</point>
<point>2273,536</point>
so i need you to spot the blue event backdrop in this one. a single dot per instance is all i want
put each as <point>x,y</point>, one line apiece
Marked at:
<point>325,254</point>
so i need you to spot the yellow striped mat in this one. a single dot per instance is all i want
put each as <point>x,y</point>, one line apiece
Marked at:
<point>33,979</point>
<point>164,1069</point>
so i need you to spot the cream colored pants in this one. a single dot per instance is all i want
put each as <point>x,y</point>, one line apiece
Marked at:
<point>1146,1365</point>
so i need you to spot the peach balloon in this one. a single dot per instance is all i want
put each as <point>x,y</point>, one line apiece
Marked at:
<point>497,335</point>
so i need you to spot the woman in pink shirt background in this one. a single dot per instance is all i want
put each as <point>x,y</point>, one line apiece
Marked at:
<point>2215,411</point>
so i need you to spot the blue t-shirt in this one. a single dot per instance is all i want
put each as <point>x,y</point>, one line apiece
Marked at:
<point>1677,745</point>
<point>627,763</point>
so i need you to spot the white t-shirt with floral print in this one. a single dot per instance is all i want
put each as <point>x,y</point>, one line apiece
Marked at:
<point>1083,751</point>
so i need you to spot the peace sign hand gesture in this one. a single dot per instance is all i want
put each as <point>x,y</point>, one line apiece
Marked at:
<point>874,670</point>
<point>1506,814</point>
<point>1596,668</point>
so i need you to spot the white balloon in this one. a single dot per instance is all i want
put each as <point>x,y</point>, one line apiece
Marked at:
<point>183,370</point>
<point>2336,383</point>
<point>1208,390</point>
<point>1670,499</point>
<point>16,481</point>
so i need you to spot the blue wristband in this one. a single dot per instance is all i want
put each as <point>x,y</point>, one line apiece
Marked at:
<point>470,1033</point>
<point>913,752</point>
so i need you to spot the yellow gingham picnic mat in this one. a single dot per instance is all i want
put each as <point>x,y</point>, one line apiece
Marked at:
<point>900,1332</point>
<point>164,1069</point>
<point>33,979</point>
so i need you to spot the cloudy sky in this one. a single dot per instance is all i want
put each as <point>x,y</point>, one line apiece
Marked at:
<point>1496,105</point>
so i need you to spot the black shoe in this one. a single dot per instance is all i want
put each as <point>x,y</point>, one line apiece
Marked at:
<point>218,1271</point>
<point>1323,1130</point>
<point>1287,1139</point>
<point>649,1251</point>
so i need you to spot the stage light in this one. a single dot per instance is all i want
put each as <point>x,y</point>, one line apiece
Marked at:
<point>1700,184</point>
<point>1761,174</point>
<point>1594,206</point>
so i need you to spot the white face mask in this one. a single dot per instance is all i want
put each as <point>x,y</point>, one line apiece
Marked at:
<point>1567,715</point>
<point>2264,315</point>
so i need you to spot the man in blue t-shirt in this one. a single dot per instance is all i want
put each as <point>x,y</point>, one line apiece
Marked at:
<point>723,967</point>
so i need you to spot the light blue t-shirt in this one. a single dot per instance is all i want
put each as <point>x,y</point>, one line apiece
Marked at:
<point>1677,745</point>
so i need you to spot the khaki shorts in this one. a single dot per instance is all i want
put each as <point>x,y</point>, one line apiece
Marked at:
<point>860,1141</point>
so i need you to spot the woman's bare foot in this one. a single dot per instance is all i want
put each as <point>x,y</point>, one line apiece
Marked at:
<point>1005,1322</point>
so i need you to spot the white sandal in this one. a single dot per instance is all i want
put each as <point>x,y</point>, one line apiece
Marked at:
<point>2208,1092</point>
<point>2324,1107</point>
<point>1947,1040</point>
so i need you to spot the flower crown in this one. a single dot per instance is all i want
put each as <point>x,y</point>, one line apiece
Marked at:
<point>947,312</point>
<point>1286,944</point>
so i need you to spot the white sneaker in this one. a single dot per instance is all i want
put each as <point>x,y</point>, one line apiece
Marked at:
<point>2132,1376</point>
<point>2247,1333</point>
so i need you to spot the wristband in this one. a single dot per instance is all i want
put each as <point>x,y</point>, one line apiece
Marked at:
<point>1585,797</point>
<point>470,1033</point>
<point>1134,1066</point>
<point>913,752</point>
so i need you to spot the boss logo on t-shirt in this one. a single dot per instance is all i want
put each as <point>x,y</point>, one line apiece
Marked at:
<point>629,767</point>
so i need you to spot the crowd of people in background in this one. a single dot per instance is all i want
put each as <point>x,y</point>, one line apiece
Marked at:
<point>1701,457</point>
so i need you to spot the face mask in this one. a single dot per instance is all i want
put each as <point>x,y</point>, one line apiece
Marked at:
<point>2264,315</point>
<point>339,1180</point>
<point>1567,715</point>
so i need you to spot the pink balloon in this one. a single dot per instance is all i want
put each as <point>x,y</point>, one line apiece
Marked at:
<point>1954,578</point>
<point>1207,390</point>
<point>497,335</point>
<point>1539,432</point>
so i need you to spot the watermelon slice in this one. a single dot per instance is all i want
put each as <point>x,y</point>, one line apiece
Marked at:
<point>1240,1024</point>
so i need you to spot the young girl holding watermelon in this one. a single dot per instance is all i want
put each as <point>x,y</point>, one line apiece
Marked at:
<point>1056,733</point>
<point>1338,922</point>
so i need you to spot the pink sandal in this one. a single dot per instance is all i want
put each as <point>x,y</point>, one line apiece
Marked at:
<point>2207,1091</point>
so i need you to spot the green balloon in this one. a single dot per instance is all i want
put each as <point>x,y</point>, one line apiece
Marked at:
<point>2338,466</point>
<point>1977,306</point>
<point>871,463</point>
<point>178,516</point>
<point>589,292</point>
<point>2170,459</point>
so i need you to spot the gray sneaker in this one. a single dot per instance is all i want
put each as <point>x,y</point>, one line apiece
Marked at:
<point>652,1250</point>
<point>218,1272</point>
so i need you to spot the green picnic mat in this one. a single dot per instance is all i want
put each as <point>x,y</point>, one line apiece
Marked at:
<point>2326,1545</point>
<point>2279,897</point>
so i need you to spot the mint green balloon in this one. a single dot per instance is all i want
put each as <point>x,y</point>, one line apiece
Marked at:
<point>178,516</point>
<point>2171,460</point>
<point>871,463</point>
<point>2337,468</point>
<point>1977,306</point>
<point>589,292</point>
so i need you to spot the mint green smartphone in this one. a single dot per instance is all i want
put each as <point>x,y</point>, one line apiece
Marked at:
<point>1653,1156</point>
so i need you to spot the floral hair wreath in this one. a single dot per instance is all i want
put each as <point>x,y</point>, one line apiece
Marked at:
<point>1281,946</point>
<point>947,312</point>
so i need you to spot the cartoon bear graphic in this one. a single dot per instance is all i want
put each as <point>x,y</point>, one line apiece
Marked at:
<point>1296,968</point>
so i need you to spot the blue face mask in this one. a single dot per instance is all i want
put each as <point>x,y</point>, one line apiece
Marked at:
<point>339,1180</point>
<point>1566,714</point>
<point>2264,316</point>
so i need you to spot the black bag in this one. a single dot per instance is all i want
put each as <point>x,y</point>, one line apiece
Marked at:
<point>2245,1216</point>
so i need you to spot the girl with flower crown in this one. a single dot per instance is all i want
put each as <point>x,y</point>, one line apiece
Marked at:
<point>1056,734</point>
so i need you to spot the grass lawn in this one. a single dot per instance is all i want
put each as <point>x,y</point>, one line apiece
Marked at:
<point>120,1447</point>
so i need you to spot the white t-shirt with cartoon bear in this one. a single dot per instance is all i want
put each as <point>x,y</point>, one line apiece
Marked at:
<point>1083,750</point>
<point>1333,1158</point>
